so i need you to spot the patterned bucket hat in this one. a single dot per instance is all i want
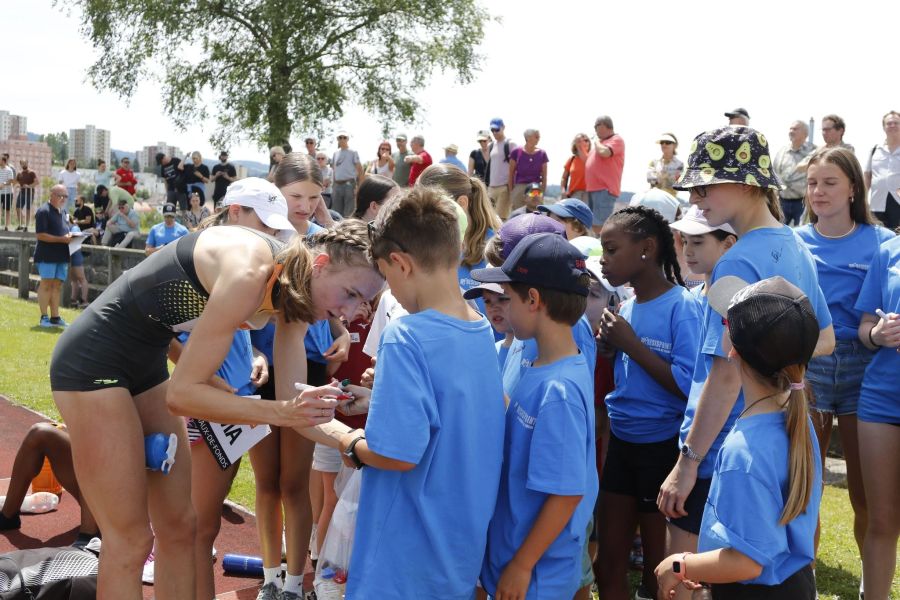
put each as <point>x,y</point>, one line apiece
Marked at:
<point>732,154</point>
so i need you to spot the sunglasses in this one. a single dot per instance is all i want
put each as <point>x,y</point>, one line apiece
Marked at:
<point>494,130</point>
<point>375,235</point>
<point>700,190</point>
<point>342,137</point>
<point>667,143</point>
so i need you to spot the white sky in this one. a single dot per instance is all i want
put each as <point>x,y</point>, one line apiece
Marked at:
<point>653,66</point>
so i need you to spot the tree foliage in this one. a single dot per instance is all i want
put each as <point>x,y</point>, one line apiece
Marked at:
<point>266,68</point>
<point>59,146</point>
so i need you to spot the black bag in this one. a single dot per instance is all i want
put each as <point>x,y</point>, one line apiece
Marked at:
<point>65,573</point>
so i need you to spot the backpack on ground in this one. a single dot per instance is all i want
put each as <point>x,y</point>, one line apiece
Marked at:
<point>65,573</point>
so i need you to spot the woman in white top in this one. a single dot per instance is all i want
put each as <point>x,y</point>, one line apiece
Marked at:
<point>70,177</point>
<point>665,170</point>
<point>384,164</point>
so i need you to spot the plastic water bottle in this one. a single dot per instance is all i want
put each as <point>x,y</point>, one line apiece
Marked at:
<point>46,481</point>
<point>40,502</point>
<point>159,451</point>
<point>243,565</point>
<point>326,587</point>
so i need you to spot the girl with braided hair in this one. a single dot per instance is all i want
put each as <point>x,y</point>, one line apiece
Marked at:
<point>211,282</point>
<point>653,341</point>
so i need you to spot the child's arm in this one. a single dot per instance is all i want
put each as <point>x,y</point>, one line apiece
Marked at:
<point>618,332</point>
<point>516,576</point>
<point>725,565</point>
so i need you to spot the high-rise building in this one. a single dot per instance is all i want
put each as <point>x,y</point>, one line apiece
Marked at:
<point>89,144</point>
<point>12,126</point>
<point>146,158</point>
<point>38,154</point>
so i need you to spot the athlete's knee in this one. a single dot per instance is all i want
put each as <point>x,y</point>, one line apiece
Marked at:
<point>176,526</point>
<point>130,545</point>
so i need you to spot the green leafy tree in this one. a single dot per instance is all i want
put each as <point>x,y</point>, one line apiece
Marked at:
<point>267,68</point>
<point>59,146</point>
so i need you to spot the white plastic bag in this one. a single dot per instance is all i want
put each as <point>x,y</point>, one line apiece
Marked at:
<point>332,569</point>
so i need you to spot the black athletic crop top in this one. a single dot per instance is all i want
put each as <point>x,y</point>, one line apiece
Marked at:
<point>165,287</point>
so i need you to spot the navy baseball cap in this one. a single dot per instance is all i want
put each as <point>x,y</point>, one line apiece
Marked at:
<point>544,260</point>
<point>497,123</point>
<point>169,209</point>
<point>571,208</point>
<point>513,231</point>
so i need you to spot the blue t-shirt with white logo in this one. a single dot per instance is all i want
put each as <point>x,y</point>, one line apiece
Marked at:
<point>160,235</point>
<point>522,353</point>
<point>747,496</point>
<point>437,403</point>
<point>757,255</point>
<point>238,364</point>
<point>642,411</point>
<point>879,401</point>
<point>842,265</point>
<point>549,449</point>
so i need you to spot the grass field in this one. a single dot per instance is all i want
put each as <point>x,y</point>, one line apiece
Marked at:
<point>24,365</point>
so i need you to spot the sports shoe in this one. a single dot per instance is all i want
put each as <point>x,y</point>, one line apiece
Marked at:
<point>45,322</point>
<point>269,592</point>
<point>147,575</point>
<point>61,323</point>
<point>8,523</point>
<point>290,596</point>
<point>641,594</point>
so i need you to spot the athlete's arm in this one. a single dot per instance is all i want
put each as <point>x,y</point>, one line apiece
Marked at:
<point>236,293</point>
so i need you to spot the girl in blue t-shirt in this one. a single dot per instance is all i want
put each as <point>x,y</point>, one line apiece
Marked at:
<point>843,238</point>
<point>655,337</point>
<point>730,180</point>
<point>879,417</point>
<point>756,538</point>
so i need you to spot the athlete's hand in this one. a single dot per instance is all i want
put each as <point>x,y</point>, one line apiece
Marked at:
<point>514,582</point>
<point>676,488</point>
<point>311,407</point>
<point>259,375</point>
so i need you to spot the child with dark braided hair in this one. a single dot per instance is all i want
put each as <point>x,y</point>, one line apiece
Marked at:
<point>654,340</point>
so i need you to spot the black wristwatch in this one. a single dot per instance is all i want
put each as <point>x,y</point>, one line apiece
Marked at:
<point>688,453</point>
<point>350,452</point>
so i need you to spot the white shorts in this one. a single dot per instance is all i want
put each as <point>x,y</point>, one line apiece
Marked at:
<point>326,459</point>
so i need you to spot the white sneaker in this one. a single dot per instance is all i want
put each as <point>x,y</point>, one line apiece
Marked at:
<point>147,575</point>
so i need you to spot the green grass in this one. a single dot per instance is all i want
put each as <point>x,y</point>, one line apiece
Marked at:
<point>24,367</point>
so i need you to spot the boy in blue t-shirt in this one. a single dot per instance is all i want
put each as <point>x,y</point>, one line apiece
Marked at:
<point>433,442</point>
<point>549,480</point>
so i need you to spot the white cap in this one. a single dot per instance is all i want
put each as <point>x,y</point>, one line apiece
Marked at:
<point>694,223</point>
<point>263,197</point>
<point>592,264</point>
<point>665,203</point>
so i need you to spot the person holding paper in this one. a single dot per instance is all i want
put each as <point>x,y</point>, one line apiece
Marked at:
<point>211,282</point>
<point>51,254</point>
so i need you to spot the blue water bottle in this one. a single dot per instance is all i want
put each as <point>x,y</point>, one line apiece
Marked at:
<point>159,451</point>
<point>243,565</point>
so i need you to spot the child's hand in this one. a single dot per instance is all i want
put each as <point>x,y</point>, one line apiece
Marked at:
<point>667,580</point>
<point>615,330</point>
<point>358,405</point>
<point>339,351</point>
<point>514,582</point>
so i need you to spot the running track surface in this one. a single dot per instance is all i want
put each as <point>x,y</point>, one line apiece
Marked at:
<point>59,528</point>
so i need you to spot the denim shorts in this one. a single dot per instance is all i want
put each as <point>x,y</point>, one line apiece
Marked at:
<point>836,379</point>
<point>602,204</point>
<point>49,270</point>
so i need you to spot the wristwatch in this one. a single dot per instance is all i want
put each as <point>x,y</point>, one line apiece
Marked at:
<point>350,452</point>
<point>679,568</point>
<point>688,453</point>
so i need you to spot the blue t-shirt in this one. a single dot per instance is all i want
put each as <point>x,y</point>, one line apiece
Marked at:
<point>878,399</point>
<point>502,351</point>
<point>842,265</point>
<point>466,283</point>
<point>437,403</point>
<point>747,496</point>
<point>452,160</point>
<point>757,255</point>
<point>264,341</point>
<point>160,235</point>
<point>238,364</point>
<point>524,352</point>
<point>642,411</point>
<point>549,449</point>
<point>318,340</point>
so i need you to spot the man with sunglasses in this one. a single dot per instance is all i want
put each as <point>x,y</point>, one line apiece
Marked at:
<point>348,172</point>
<point>498,168</point>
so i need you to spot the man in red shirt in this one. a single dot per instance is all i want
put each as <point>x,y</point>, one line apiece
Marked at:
<point>603,170</point>
<point>419,159</point>
<point>125,178</point>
